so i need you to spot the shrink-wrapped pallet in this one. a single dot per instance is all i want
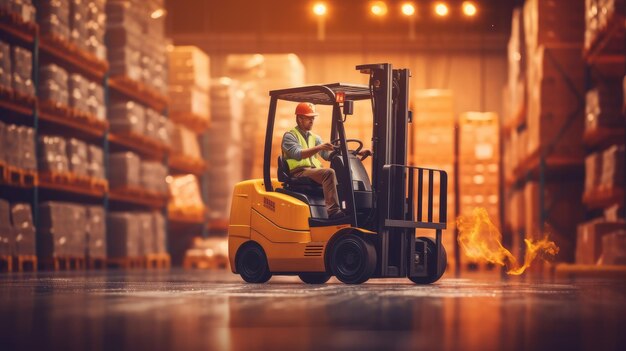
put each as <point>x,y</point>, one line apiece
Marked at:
<point>53,85</point>
<point>52,154</point>
<point>122,235</point>
<point>124,170</point>
<point>96,232</point>
<point>24,229</point>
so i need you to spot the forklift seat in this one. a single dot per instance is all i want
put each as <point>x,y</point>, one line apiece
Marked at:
<point>300,184</point>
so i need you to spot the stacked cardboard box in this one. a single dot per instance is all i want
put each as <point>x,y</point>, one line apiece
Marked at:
<point>96,232</point>
<point>603,107</point>
<point>124,170</point>
<point>224,145</point>
<point>62,231</point>
<point>189,81</point>
<point>53,17</point>
<point>515,89</point>
<point>590,237</point>
<point>185,142</point>
<point>135,234</point>
<point>153,176</point>
<point>57,154</point>
<point>598,16</point>
<point>613,176</point>
<point>17,231</point>
<point>136,43</point>
<point>18,146</point>
<point>22,8</point>
<point>5,66</point>
<point>131,117</point>
<point>479,164</point>
<point>186,198</point>
<point>433,129</point>
<point>22,71</point>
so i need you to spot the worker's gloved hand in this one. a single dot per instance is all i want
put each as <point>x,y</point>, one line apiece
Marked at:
<point>326,147</point>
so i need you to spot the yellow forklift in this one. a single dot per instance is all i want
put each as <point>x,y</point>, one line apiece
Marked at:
<point>279,226</point>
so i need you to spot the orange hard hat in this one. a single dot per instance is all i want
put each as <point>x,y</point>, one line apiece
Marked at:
<point>306,109</point>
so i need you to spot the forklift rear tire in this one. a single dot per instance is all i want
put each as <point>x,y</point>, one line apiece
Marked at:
<point>314,277</point>
<point>352,259</point>
<point>433,275</point>
<point>252,264</point>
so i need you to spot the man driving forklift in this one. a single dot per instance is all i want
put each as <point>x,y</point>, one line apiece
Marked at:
<point>300,148</point>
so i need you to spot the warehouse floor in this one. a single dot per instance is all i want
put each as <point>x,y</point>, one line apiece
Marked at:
<point>199,310</point>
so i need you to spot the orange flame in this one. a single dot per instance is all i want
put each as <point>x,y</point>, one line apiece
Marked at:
<point>480,239</point>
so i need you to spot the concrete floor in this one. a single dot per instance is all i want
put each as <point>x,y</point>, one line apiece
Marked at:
<point>199,310</point>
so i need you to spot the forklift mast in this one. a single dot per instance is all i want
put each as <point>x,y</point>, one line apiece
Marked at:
<point>390,98</point>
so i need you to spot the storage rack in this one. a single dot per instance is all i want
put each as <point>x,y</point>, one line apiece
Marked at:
<point>37,186</point>
<point>598,57</point>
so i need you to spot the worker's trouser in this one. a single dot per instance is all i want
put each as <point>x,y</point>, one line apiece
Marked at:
<point>326,177</point>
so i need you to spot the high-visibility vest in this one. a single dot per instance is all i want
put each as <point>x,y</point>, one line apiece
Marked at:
<point>305,162</point>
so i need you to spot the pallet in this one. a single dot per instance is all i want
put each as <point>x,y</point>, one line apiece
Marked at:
<point>6,264</point>
<point>125,262</point>
<point>63,263</point>
<point>25,263</point>
<point>71,114</point>
<point>18,177</point>
<point>206,262</point>
<point>72,179</point>
<point>158,261</point>
<point>96,263</point>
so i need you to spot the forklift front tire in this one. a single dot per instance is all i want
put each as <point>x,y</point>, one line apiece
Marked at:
<point>433,274</point>
<point>252,263</point>
<point>352,260</point>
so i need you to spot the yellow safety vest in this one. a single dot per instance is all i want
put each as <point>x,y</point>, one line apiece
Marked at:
<point>305,162</point>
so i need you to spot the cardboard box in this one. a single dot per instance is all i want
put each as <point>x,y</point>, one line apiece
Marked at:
<point>589,239</point>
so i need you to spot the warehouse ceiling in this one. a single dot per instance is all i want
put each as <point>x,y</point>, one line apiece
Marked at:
<point>193,20</point>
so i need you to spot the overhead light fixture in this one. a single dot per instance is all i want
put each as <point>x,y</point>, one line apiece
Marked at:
<point>408,9</point>
<point>158,13</point>
<point>320,9</point>
<point>469,9</point>
<point>378,8</point>
<point>441,9</point>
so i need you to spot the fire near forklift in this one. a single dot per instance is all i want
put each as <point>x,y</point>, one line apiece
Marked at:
<point>280,226</point>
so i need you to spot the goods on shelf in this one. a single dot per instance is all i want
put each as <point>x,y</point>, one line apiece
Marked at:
<point>95,168</point>
<point>53,85</point>
<point>5,66</point>
<point>22,65</point>
<point>127,117</point>
<point>185,142</point>
<point>52,154</point>
<point>53,17</point>
<point>7,235</point>
<point>24,229</point>
<point>614,248</point>
<point>78,92</point>
<point>598,15</point>
<point>124,170</point>
<point>96,232</point>
<point>613,168</point>
<point>186,198</point>
<point>62,230</point>
<point>603,106</point>
<point>590,237</point>
<point>593,172</point>
<point>553,22</point>
<point>133,234</point>
<point>77,155</point>
<point>153,176</point>
<point>22,8</point>
<point>189,81</point>
<point>18,146</point>
<point>207,253</point>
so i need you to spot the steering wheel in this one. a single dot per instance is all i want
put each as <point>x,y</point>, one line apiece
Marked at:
<point>337,150</point>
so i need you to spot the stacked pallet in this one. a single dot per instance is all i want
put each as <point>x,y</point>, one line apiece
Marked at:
<point>189,81</point>
<point>186,200</point>
<point>17,230</point>
<point>224,143</point>
<point>128,171</point>
<point>17,147</point>
<point>433,129</point>
<point>131,235</point>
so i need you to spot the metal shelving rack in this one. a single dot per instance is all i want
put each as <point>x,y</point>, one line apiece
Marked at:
<point>68,122</point>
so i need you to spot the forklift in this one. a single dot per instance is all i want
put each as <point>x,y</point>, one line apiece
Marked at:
<point>279,226</point>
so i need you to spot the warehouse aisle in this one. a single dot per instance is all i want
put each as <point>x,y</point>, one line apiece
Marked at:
<point>185,310</point>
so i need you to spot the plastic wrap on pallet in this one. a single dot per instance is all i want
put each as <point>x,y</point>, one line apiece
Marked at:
<point>613,168</point>
<point>165,130</point>
<point>151,123</point>
<point>95,157</point>
<point>185,190</point>
<point>160,236</point>
<point>96,232</point>
<point>22,65</point>
<point>188,99</point>
<point>12,145</point>
<point>79,11</point>
<point>95,101</point>
<point>125,61</point>
<point>78,92</point>
<point>78,235</point>
<point>122,235</point>
<point>226,100</point>
<point>96,28</point>
<point>23,8</point>
<point>127,117</point>
<point>153,176</point>
<point>593,171</point>
<point>53,17</point>
<point>5,66</point>
<point>53,84</point>
<point>6,229</point>
<point>54,229</point>
<point>22,219</point>
<point>124,170</point>
<point>146,228</point>
<point>52,154</point>
<point>27,148</point>
<point>121,14</point>
<point>77,155</point>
